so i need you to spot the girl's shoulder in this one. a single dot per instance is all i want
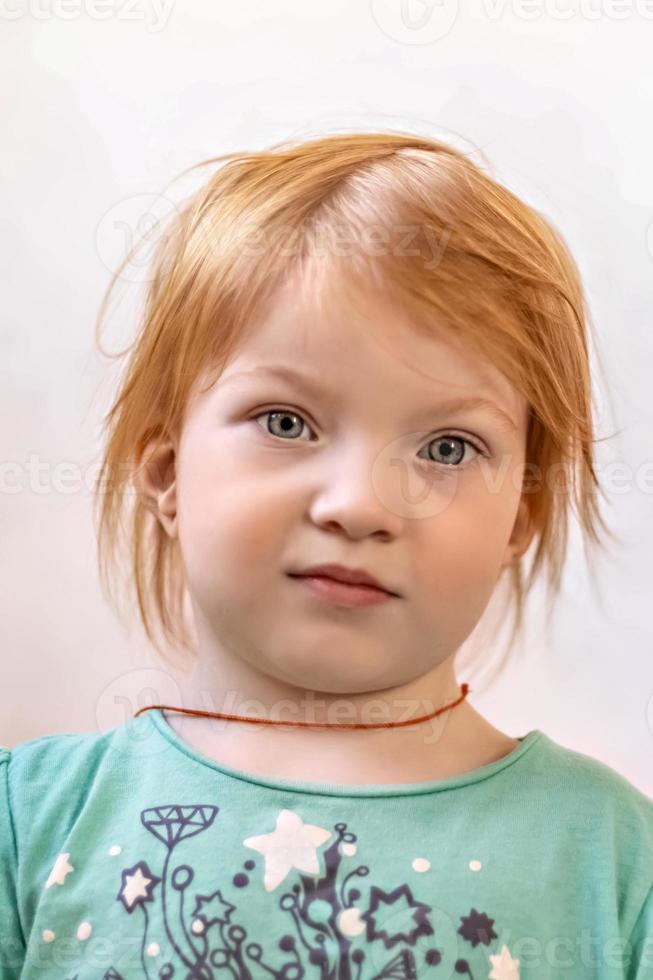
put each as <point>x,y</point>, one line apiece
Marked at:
<point>578,782</point>
<point>51,764</point>
<point>45,783</point>
<point>580,770</point>
<point>55,773</point>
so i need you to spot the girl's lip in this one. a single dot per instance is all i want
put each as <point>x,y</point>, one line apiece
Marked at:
<point>343,573</point>
<point>342,593</point>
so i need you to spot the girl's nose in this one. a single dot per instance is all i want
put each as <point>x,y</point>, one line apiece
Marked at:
<point>349,497</point>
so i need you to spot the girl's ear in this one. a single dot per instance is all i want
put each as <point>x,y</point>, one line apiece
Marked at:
<point>155,480</point>
<point>522,534</point>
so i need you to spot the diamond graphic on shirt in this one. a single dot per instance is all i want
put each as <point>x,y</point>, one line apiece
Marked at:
<point>174,823</point>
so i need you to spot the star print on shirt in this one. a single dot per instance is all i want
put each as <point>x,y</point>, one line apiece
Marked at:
<point>293,844</point>
<point>137,886</point>
<point>504,967</point>
<point>59,871</point>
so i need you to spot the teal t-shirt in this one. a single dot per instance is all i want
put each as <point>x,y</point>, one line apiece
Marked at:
<point>128,854</point>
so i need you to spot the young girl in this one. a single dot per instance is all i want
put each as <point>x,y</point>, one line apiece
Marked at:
<point>359,400</point>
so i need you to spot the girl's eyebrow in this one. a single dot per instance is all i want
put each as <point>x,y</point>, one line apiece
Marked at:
<point>311,385</point>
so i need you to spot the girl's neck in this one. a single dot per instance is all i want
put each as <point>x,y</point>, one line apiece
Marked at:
<point>461,741</point>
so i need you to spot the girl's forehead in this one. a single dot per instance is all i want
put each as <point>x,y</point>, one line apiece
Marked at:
<point>356,330</point>
<point>349,338</point>
<point>337,316</point>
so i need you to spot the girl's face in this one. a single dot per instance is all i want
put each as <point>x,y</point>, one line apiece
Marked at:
<point>363,464</point>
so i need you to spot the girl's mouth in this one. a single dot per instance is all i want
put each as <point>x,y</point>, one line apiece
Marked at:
<point>342,593</point>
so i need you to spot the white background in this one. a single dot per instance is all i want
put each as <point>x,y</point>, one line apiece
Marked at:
<point>105,102</point>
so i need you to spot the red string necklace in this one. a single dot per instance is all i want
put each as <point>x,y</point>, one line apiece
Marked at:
<point>307,724</point>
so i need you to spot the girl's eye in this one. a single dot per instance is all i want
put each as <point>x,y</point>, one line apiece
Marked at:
<point>450,453</point>
<point>289,423</point>
<point>284,420</point>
